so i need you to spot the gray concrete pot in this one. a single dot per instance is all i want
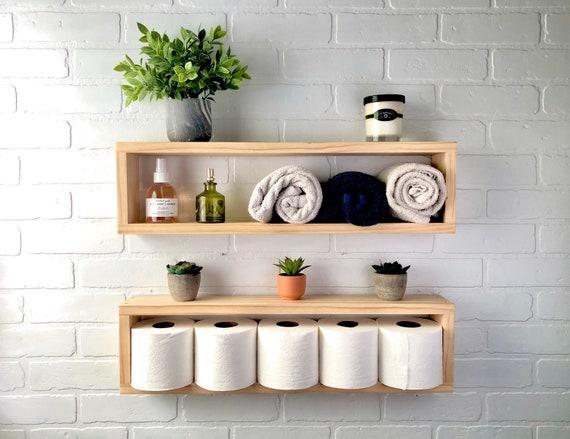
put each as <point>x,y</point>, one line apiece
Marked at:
<point>189,120</point>
<point>183,287</point>
<point>390,286</point>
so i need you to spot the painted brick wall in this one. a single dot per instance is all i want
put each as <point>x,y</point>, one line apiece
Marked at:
<point>493,76</point>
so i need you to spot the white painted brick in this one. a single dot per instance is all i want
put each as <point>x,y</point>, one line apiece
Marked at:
<point>104,133</point>
<point>528,204</point>
<point>122,3</point>
<point>469,135</point>
<point>6,27</point>
<point>483,432</point>
<point>493,372</point>
<point>528,136</point>
<point>122,273</point>
<point>11,309</point>
<point>529,339</point>
<point>9,169</point>
<point>384,243</point>
<point>37,341</point>
<point>372,28</point>
<point>13,434</point>
<point>336,64</point>
<point>444,272</point>
<point>556,31</point>
<point>436,64</point>
<point>40,203</point>
<point>282,28</point>
<point>16,133</point>
<point>528,272</point>
<point>278,244</point>
<point>44,409</point>
<point>323,131</point>
<point>508,100</point>
<point>180,433</point>
<point>65,307</point>
<point>127,408</point>
<point>495,171</point>
<point>7,99</point>
<point>440,407</point>
<point>99,63</point>
<point>289,432</point>
<point>47,272</point>
<point>553,373</point>
<point>52,26</point>
<point>207,408</point>
<point>490,28</point>
<point>544,432</point>
<point>335,3</point>
<point>72,237</point>
<point>9,239</point>
<point>443,4</point>
<point>79,433</point>
<point>553,305</point>
<point>530,3</point>
<point>33,63</point>
<point>495,305</point>
<point>391,431</point>
<point>97,201</point>
<point>243,130</point>
<point>99,341</point>
<point>469,203</point>
<point>531,65</point>
<point>420,98</point>
<point>178,244</point>
<point>74,374</point>
<point>262,62</point>
<point>555,238</point>
<point>469,339</point>
<point>11,377</point>
<point>71,167</point>
<point>320,407</point>
<point>528,406</point>
<point>489,238</point>
<point>557,100</point>
<point>68,99</point>
<point>554,169</point>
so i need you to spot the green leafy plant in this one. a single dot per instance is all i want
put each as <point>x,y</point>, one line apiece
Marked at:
<point>184,267</point>
<point>390,268</point>
<point>291,267</point>
<point>187,66</point>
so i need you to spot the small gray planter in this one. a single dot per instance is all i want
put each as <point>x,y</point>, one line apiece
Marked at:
<point>189,120</point>
<point>183,287</point>
<point>390,286</point>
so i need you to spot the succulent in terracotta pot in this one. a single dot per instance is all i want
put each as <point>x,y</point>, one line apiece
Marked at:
<point>390,280</point>
<point>291,283</point>
<point>184,280</point>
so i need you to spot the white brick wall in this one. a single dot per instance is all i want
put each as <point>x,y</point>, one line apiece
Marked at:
<point>491,74</point>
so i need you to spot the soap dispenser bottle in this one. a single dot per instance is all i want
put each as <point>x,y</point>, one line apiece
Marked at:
<point>210,204</point>
<point>161,200</point>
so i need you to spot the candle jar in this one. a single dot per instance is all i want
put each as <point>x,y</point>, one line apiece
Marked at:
<point>383,117</point>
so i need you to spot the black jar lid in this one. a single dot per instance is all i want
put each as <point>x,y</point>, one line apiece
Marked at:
<point>383,98</point>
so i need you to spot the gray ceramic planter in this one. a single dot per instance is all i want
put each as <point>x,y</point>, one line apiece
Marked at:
<point>189,120</point>
<point>390,286</point>
<point>183,287</point>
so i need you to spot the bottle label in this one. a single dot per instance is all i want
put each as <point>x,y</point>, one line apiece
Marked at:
<point>162,207</point>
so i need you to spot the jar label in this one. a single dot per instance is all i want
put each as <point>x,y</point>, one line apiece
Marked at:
<point>384,115</point>
<point>162,207</point>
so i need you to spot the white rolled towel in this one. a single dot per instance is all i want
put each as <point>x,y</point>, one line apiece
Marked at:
<point>294,193</point>
<point>415,192</point>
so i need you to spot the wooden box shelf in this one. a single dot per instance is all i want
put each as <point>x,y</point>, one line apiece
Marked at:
<point>129,154</point>
<point>433,306</point>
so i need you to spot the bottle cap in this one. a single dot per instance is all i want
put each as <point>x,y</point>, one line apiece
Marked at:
<point>160,174</point>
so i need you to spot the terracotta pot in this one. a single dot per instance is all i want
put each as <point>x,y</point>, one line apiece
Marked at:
<point>291,287</point>
<point>183,287</point>
<point>390,286</point>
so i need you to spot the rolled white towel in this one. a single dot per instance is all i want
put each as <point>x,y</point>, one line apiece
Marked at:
<point>292,191</point>
<point>415,192</point>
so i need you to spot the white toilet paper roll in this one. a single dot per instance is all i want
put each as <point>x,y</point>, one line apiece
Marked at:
<point>225,353</point>
<point>162,354</point>
<point>348,349</point>
<point>411,353</point>
<point>288,353</point>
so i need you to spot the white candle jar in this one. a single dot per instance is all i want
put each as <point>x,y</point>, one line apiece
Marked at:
<point>383,117</point>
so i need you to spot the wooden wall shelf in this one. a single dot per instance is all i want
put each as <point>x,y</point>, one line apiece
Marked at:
<point>130,154</point>
<point>433,306</point>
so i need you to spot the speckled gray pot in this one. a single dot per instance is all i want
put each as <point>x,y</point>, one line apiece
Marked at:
<point>183,287</point>
<point>390,286</point>
<point>189,120</point>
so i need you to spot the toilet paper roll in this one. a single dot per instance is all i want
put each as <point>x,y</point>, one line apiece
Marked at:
<point>162,354</point>
<point>348,349</point>
<point>225,353</point>
<point>411,353</point>
<point>288,353</point>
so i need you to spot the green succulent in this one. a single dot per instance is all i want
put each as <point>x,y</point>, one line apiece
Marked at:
<point>187,66</point>
<point>184,267</point>
<point>390,268</point>
<point>291,267</point>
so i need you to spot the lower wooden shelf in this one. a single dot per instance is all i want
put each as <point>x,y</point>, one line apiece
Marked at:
<point>138,307</point>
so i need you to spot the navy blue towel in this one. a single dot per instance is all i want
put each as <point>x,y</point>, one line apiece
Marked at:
<point>353,197</point>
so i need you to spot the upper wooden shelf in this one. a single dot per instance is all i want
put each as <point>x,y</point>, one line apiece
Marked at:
<point>130,154</point>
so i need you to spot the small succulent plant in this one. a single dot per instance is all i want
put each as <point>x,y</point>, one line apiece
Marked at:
<point>390,268</point>
<point>291,267</point>
<point>184,267</point>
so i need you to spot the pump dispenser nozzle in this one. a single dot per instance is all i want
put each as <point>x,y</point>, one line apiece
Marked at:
<point>210,178</point>
<point>160,174</point>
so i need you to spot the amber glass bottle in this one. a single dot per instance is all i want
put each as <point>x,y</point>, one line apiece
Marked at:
<point>210,204</point>
<point>161,199</point>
